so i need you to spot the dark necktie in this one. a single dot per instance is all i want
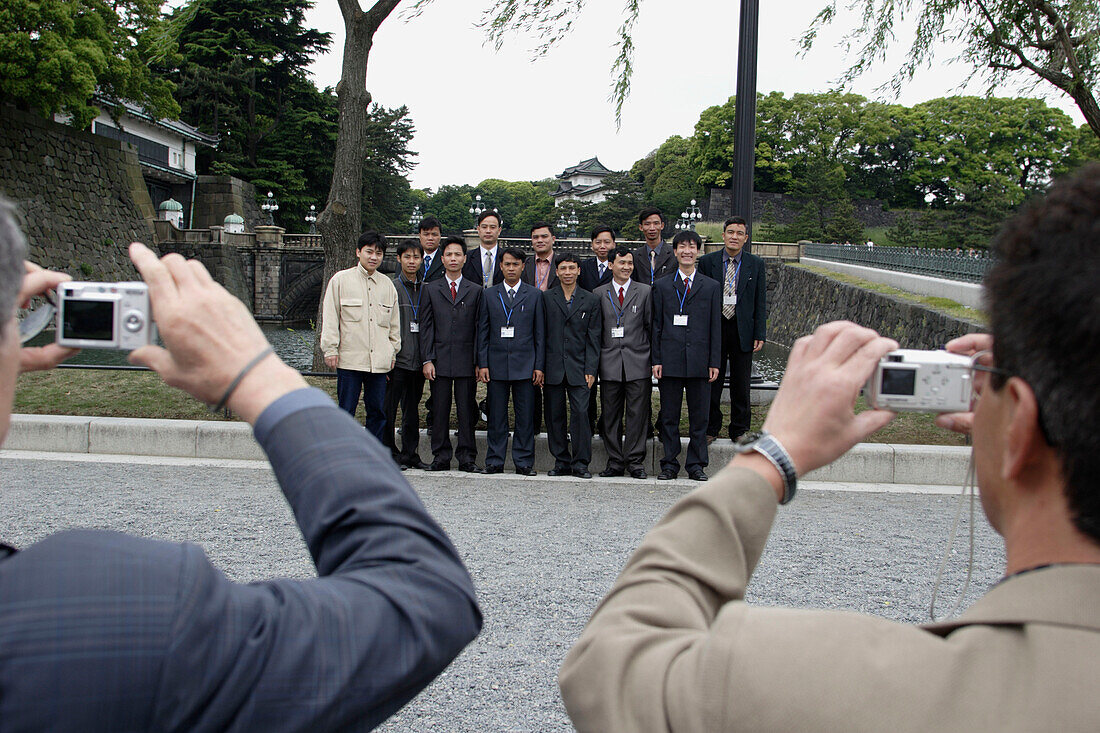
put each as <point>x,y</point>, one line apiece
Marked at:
<point>454,292</point>
<point>427,264</point>
<point>511,296</point>
<point>687,287</point>
<point>621,290</point>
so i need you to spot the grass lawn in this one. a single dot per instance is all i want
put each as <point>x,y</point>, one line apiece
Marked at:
<point>142,394</point>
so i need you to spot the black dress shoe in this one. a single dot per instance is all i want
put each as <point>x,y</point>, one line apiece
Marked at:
<point>526,471</point>
<point>609,472</point>
<point>436,466</point>
<point>638,473</point>
<point>494,469</point>
<point>402,466</point>
<point>582,473</point>
<point>418,465</point>
<point>469,468</point>
<point>697,474</point>
<point>558,471</point>
<point>667,474</point>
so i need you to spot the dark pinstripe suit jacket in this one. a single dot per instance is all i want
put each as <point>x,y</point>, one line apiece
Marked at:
<point>106,632</point>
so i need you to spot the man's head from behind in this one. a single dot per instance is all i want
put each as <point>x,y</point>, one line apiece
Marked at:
<point>13,250</point>
<point>1045,317</point>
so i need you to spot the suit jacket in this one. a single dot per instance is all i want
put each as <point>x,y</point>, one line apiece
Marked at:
<point>687,351</point>
<point>435,269</point>
<point>474,267</point>
<point>528,274</point>
<point>589,278</point>
<point>448,330</point>
<point>515,358</point>
<point>409,301</point>
<point>629,354</point>
<point>752,294</point>
<point>666,263</point>
<point>572,336</point>
<point>675,647</point>
<point>101,631</point>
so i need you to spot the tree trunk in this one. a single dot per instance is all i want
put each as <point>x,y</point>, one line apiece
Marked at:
<point>341,218</point>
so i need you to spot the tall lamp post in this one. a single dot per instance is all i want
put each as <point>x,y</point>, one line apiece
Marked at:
<point>270,206</point>
<point>416,218</point>
<point>311,219</point>
<point>573,222</point>
<point>744,119</point>
<point>689,217</point>
<point>477,209</point>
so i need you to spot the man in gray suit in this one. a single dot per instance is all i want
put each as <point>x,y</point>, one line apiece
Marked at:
<point>674,646</point>
<point>625,385</point>
<point>654,258</point>
<point>101,631</point>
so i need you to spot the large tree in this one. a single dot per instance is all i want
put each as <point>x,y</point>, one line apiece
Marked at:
<point>1052,41</point>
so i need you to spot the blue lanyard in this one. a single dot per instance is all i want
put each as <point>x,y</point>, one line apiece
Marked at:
<point>683,297</point>
<point>538,282</point>
<point>419,292</point>
<point>736,273</point>
<point>507,313</point>
<point>614,307</point>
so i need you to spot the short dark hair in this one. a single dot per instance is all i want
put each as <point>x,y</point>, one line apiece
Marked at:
<point>371,238</point>
<point>407,244</point>
<point>569,257</point>
<point>452,240</point>
<point>600,229</point>
<point>429,222</point>
<point>542,225</point>
<point>1050,248</point>
<point>648,212</point>
<point>620,251</point>
<point>687,235</point>
<point>486,214</point>
<point>514,252</point>
<point>736,220</point>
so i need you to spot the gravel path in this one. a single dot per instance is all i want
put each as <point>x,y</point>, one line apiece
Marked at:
<point>542,553</point>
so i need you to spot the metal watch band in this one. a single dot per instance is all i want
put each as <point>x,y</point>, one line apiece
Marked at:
<point>774,451</point>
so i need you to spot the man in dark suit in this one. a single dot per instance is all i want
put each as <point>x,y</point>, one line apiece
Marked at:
<point>448,346</point>
<point>625,386</point>
<point>102,631</point>
<point>742,280</point>
<point>488,254</point>
<point>540,268</point>
<point>511,345</point>
<point>654,259</point>
<point>430,233</point>
<point>405,385</point>
<point>596,271</point>
<point>687,310</point>
<point>573,321</point>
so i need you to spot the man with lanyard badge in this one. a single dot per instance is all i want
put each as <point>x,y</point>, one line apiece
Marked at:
<point>406,384</point>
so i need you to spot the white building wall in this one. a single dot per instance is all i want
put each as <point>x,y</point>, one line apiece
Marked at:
<point>181,153</point>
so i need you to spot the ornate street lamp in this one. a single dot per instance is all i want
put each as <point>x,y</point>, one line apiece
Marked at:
<point>477,209</point>
<point>562,223</point>
<point>270,207</point>
<point>573,223</point>
<point>311,219</point>
<point>416,218</point>
<point>689,217</point>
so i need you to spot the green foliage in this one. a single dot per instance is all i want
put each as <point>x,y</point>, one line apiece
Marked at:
<point>56,54</point>
<point>904,231</point>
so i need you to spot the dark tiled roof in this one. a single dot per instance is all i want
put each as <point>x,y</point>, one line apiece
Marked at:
<point>592,167</point>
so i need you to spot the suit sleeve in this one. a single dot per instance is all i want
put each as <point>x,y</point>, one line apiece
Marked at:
<point>759,313</point>
<point>715,328</point>
<point>330,320</point>
<point>483,332</point>
<point>656,317</point>
<point>392,605</point>
<point>592,340</point>
<point>540,333</point>
<point>427,330</point>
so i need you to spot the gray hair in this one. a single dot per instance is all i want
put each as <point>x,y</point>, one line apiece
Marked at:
<point>13,250</point>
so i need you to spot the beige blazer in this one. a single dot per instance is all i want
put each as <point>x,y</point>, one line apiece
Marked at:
<point>673,646</point>
<point>360,320</point>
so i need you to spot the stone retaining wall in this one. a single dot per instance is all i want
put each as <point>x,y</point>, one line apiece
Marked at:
<point>799,301</point>
<point>82,196</point>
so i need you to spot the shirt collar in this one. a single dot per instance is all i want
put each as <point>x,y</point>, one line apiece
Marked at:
<point>726,256</point>
<point>625,286</point>
<point>363,271</point>
<point>457,281</point>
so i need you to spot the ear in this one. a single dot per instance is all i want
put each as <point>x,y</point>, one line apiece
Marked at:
<point>1024,442</point>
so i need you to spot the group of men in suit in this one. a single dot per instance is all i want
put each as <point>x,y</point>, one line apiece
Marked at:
<point>543,330</point>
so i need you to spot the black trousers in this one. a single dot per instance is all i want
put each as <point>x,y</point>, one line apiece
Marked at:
<point>625,444</point>
<point>404,390</point>
<point>740,371</point>
<point>464,391</point>
<point>672,391</point>
<point>580,431</point>
<point>522,392</point>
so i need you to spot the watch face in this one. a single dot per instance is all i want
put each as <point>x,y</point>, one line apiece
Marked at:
<point>745,442</point>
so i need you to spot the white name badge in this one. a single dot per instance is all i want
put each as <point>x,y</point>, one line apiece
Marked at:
<point>681,320</point>
<point>414,327</point>
<point>507,332</point>
<point>729,300</point>
<point>618,332</point>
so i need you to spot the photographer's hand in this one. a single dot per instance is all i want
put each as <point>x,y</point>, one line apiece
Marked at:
<point>813,413</point>
<point>36,282</point>
<point>967,345</point>
<point>210,336</point>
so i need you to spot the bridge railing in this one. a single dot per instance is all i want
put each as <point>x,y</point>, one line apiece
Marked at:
<point>942,263</point>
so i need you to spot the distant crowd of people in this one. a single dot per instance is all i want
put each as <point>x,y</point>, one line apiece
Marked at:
<point>545,332</point>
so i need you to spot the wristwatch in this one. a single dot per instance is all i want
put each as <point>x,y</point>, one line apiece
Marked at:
<point>766,445</point>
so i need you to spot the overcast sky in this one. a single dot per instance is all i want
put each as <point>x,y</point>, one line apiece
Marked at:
<point>483,114</point>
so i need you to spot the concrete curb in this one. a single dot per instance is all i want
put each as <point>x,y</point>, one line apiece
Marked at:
<point>877,463</point>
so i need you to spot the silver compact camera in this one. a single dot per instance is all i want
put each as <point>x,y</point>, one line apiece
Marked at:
<point>909,380</point>
<point>104,315</point>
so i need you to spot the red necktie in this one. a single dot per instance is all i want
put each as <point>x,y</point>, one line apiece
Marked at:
<point>454,292</point>
<point>687,288</point>
<point>621,297</point>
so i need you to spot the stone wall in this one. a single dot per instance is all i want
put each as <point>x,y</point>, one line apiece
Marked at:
<point>226,263</point>
<point>799,301</point>
<point>216,197</point>
<point>82,196</point>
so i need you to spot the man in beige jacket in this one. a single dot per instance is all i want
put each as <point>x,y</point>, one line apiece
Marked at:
<point>675,647</point>
<point>361,332</point>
